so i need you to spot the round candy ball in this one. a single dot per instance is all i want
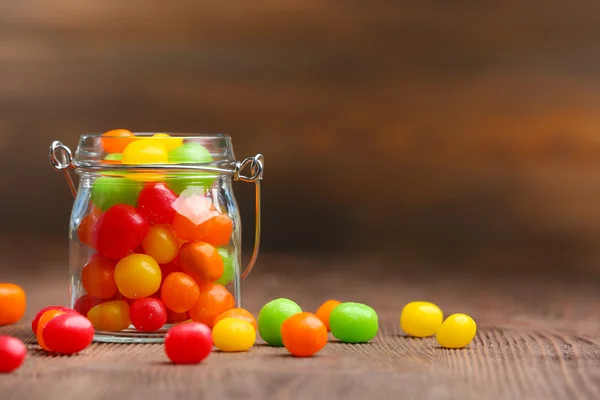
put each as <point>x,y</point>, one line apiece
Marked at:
<point>240,313</point>
<point>12,353</point>
<point>155,203</point>
<point>324,311</point>
<point>38,316</point>
<point>304,334</point>
<point>145,151</point>
<point>138,276</point>
<point>117,140</point>
<point>68,333</point>
<point>108,191</point>
<point>12,303</point>
<point>228,267</point>
<point>119,231</point>
<point>148,315</point>
<point>353,322</point>
<point>421,318</point>
<point>188,343</point>
<point>272,316</point>
<point>111,316</point>
<point>456,332</point>
<point>233,334</point>
<point>190,153</point>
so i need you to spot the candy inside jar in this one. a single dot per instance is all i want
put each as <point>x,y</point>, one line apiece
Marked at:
<point>155,232</point>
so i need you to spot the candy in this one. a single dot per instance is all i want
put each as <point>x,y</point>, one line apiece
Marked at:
<point>218,230</point>
<point>175,318</point>
<point>111,316</point>
<point>36,320</point>
<point>233,334</point>
<point>228,267</point>
<point>179,292</point>
<point>188,343</point>
<point>304,334</point>
<point>108,191</point>
<point>353,323</point>
<point>167,269</point>
<point>85,303</point>
<point>98,279</point>
<point>119,231</point>
<point>161,244</point>
<point>114,158</point>
<point>421,318</point>
<point>148,315</point>
<point>46,317</point>
<point>456,332</point>
<point>271,318</point>
<point>68,333</point>
<point>324,311</point>
<point>155,203</point>
<point>190,153</point>
<point>201,261</point>
<point>239,313</point>
<point>12,353</point>
<point>145,151</point>
<point>213,301</point>
<point>192,215</point>
<point>117,140</point>
<point>85,229</point>
<point>12,303</point>
<point>168,141</point>
<point>137,276</point>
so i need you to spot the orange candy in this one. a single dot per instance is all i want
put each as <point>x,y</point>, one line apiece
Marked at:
<point>303,334</point>
<point>325,310</point>
<point>179,292</point>
<point>12,303</point>
<point>116,140</point>
<point>86,227</point>
<point>239,313</point>
<point>186,230</point>
<point>201,261</point>
<point>218,230</point>
<point>98,278</point>
<point>161,244</point>
<point>214,300</point>
<point>46,317</point>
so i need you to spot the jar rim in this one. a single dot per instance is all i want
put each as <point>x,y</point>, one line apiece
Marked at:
<point>178,135</point>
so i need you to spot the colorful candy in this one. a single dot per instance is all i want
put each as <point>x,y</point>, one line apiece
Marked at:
<point>148,315</point>
<point>303,334</point>
<point>228,267</point>
<point>353,322</point>
<point>119,231</point>
<point>36,320</point>
<point>161,244</point>
<point>145,151</point>
<point>239,313</point>
<point>155,203</point>
<point>12,303</point>
<point>137,276</point>
<point>68,333</point>
<point>46,317</point>
<point>213,301</point>
<point>168,141</point>
<point>233,334</point>
<point>324,311</point>
<point>85,303</point>
<point>111,316</point>
<point>201,261</point>
<point>12,353</point>
<point>272,316</point>
<point>456,332</point>
<point>85,229</point>
<point>98,278</point>
<point>421,318</point>
<point>179,292</point>
<point>218,230</point>
<point>117,140</point>
<point>188,343</point>
<point>108,191</point>
<point>190,153</point>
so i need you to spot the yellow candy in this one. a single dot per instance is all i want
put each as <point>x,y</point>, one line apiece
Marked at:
<point>112,316</point>
<point>421,318</point>
<point>169,142</point>
<point>233,334</point>
<point>456,332</point>
<point>137,276</point>
<point>145,151</point>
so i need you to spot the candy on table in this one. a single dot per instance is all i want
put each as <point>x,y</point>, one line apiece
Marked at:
<point>324,311</point>
<point>111,316</point>
<point>155,203</point>
<point>190,153</point>
<point>168,141</point>
<point>12,353</point>
<point>304,334</point>
<point>353,322</point>
<point>201,261</point>
<point>137,276</point>
<point>421,318</point>
<point>239,313</point>
<point>213,301</point>
<point>110,190</point>
<point>456,332</point>
<point>85,229</point>
<point>38,316</point>
<point>46,317</point>
<point>233,334</point>
<point>272,316</point>
<point>228,267</point>
<point>117,140</point>
<point>161,244</point>
<point>98,278</point>
<point>119,231</point>
<point>67,333</point>
<point>148,315</point>
<point>13,302</point>
<point>179,292</point>
<point>188,343</point>
<point>145,151</point>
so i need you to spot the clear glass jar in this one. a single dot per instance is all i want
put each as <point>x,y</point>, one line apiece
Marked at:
<point>155,231</point>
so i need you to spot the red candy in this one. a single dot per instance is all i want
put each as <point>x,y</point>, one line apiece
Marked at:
<point>68,333</point>
<point>85,303</point>
<point>36,320</point>
<point>155,203</point>
<point>148,315</point>
<point>119,231</point>
<point>12,353</point>
<point>188,343</point>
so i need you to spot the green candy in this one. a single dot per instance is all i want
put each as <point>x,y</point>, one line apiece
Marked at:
<point>108,191</point>
<point>271,318</point>
<point>229,270</point>
<point>353,323</point>
<point>114,157</point>
<point>190,153</point>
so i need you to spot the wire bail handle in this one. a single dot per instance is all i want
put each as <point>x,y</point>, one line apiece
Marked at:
<point>61,159</point>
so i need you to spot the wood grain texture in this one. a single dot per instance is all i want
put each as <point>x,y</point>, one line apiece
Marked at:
<point>537,339</point>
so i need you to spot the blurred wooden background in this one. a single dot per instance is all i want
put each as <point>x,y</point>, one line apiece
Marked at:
<point>457,134</point>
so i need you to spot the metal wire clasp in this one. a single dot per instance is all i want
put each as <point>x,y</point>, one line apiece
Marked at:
<point>61,159</point>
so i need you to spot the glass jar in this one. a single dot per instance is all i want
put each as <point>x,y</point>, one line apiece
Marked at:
<point>155,231</point>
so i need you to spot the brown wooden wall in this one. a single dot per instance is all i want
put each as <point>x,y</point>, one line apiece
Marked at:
<point>461,132</point>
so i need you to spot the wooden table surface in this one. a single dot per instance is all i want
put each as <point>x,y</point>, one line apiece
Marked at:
<point>537,339</point>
